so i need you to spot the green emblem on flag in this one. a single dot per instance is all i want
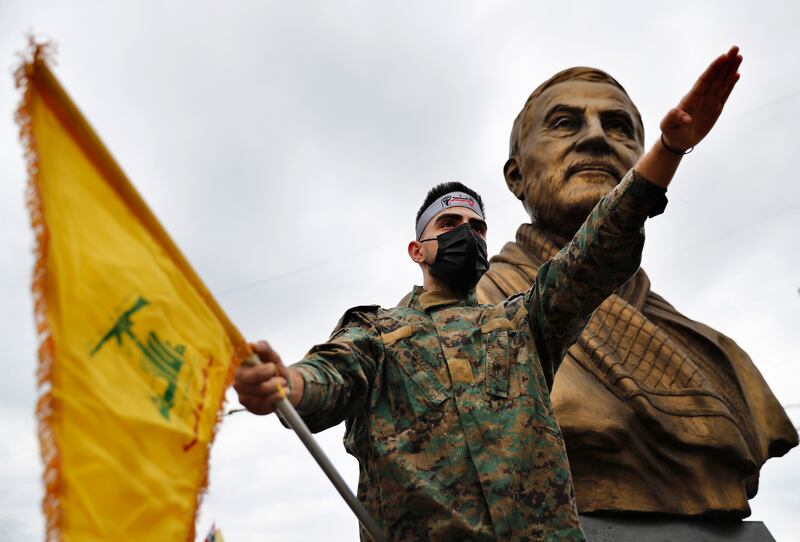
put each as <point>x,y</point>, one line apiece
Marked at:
<point>161,359</point>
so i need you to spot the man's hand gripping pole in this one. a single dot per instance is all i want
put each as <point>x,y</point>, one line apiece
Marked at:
<point>295,422</point>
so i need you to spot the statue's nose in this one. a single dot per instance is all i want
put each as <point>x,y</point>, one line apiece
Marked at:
<point>592,138</point>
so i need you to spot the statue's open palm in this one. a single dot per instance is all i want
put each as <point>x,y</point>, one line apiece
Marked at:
<point>688,123</point>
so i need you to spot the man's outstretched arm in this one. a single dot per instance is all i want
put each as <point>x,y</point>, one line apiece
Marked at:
<point>606,250</point>
<point>686,124</point>
<point>327,386</point>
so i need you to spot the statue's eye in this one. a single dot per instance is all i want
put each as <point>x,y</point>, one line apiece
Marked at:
<point>563,123</point>
<point>619,126</point>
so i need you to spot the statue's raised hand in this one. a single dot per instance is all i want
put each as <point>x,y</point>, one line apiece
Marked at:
<point>688,123</point>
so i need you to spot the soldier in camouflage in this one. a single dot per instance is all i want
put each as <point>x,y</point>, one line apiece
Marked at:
<point>446,401</point>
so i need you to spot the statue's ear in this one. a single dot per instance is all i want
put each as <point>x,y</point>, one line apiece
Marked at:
<point>513,177</point>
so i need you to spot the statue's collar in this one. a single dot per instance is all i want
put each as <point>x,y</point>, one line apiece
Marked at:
<point>543,244</point>
<point>534,247</point>
<point>424,300</point>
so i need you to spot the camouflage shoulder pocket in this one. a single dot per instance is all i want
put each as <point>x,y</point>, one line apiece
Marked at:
<point>411,394</point>
<point>504,371</point>
<point>411,358</point>
<point>498,363</point>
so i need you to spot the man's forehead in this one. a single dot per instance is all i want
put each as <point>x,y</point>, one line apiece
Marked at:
<point>580,94</point>
<point>463,211</point>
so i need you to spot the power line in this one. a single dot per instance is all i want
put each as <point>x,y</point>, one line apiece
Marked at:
<point>745,226</point>
<point>303,269</point>
<point>767,105</point>
<point>346,255</point>
<point>259,282</point>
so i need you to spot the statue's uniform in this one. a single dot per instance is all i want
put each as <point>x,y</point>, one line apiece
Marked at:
<point>447,401</point>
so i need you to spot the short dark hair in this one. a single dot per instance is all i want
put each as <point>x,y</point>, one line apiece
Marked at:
<point>445,188</point>
<point>579,73</point>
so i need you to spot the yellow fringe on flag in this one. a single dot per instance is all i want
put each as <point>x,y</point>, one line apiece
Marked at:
<point>135,354</point>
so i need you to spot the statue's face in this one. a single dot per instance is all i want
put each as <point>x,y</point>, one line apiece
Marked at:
<point>581,138</point>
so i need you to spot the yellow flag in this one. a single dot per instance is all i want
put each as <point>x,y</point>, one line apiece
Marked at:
<point>135,355</point>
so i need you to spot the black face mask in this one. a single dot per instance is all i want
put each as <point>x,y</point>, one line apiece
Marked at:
<point>461,259</point>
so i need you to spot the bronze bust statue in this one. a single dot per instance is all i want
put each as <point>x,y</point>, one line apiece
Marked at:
<point>660,414</point>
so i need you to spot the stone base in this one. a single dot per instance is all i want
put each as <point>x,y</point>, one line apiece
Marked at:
<point>644,529</point>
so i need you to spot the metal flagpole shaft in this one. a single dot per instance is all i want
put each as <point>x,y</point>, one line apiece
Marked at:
<point>293,420</point>
<point>296,423</point>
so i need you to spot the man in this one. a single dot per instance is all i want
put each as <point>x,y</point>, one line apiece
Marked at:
<point>659,413</point>
<point>447,401</point>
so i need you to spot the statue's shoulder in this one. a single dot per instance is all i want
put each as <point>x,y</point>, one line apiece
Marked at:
<point>512,271</point>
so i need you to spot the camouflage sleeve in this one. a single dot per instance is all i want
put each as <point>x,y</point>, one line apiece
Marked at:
<point>605,252</point>
<point>338,374</point>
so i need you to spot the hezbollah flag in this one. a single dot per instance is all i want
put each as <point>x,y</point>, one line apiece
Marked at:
<point>135,355</point>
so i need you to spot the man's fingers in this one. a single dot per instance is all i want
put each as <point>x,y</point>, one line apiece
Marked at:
<point>255,374</point>
<point>709,76</point>
<point>726,73</point>
<point>733,52</point>
<point>730,77</point>
<point>674,119</point>
<point>255,403</point>
<point>281,368</point>
<point>727,70</point>
<point>265,352</point>
<point>272,386</point>
<point>266,387</point>
<point>724,97</point>
<point>716,74</point>
<point>258,404</point>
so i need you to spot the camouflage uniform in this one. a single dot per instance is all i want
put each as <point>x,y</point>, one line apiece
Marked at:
<point>447,401</point>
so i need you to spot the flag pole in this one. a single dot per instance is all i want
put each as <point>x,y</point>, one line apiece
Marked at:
<point>296,423</point>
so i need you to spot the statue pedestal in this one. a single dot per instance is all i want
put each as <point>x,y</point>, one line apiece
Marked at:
<point>644,529</point>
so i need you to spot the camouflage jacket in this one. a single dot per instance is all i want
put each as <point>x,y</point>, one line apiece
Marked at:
<point>447,401</point>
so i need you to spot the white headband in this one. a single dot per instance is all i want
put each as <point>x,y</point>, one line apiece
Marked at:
<point>453,199</point>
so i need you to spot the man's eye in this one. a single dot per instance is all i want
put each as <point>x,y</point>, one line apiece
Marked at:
<point>479,229</point>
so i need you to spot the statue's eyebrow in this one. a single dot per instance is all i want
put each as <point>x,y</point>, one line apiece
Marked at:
<point>617,113</point>
<point>561,108</point>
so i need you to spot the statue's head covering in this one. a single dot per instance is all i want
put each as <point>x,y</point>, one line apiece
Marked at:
<point>578,73</point>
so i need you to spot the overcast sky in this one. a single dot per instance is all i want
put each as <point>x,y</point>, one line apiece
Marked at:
<point>287,145</point>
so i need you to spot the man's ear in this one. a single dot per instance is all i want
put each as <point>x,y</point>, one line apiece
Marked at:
<point>513,177</point>
<point>415,251</point>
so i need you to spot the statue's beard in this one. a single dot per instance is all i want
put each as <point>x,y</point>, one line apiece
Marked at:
<point>561,204</point>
